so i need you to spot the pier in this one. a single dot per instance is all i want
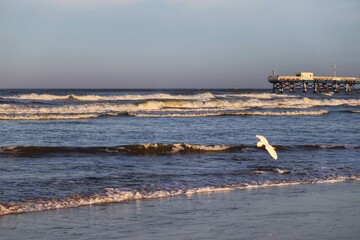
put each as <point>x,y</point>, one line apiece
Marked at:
<point>307,80</point>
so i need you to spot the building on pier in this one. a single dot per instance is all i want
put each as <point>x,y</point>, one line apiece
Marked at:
<point>305,80</point>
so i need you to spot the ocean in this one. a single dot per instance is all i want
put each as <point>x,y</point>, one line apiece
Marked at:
<point>66,148</point>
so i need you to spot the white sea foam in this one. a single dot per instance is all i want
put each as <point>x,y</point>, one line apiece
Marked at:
<point>191,105</point>
<point>164,114</point>
<point>178,147</point>
<point>207,99</point>
<point>244,113</point>
<point>257,95</point>
<point>328,93</point>
<point>113,195</point>
<point>206,148</point>
<point>51,97</point>
<point>98,108</point>
<point>284,113</point>
<point>281,171</point>
<point>172,108</point>
<point>48,117</point>
<point>308,103</point>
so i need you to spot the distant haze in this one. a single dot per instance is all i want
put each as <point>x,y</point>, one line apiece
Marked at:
<point>174,43</point>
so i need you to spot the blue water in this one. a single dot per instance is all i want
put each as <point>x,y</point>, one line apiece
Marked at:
<point>67,148</point>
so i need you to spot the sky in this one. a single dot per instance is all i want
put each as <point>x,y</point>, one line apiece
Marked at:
<point>174,43</point>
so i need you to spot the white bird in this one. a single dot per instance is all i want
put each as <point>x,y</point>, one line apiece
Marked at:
<point>268,147</point>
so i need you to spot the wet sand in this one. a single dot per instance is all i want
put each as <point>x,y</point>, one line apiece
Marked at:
<point>319,211</point>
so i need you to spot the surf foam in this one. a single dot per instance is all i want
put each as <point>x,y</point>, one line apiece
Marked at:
<point>114,195</point>
<point>51,97</point>
<point>244,113</point>
<point>171,108</point>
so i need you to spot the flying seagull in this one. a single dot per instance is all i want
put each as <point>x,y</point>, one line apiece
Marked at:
<point>268,147</point>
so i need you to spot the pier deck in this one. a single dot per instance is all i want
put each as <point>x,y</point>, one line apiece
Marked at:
<point>306,80</point>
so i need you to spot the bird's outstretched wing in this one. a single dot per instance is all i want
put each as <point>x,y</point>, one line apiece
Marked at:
<point>271,151</point>
<point>262,139</point>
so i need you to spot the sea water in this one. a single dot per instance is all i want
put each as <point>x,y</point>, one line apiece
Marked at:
<point>70,147</point>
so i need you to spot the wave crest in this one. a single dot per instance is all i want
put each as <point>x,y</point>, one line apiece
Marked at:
<point>244,113</point>
<point>114,195</point>
<point>167,105</point>
<point>140,149</point>
<point>154,149</point>
<point>51,97</point>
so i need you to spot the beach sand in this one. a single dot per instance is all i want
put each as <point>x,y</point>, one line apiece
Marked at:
<point>311,211</point>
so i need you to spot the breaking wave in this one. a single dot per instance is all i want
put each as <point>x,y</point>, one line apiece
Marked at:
<point>167,105</point>
<point>157,114</point>
<point>159,96</point>
<point>245,113</point>
<point>114,195</point>
<point>257,95</point>
<point>141,149</point>
<point>51,97</point>
<point>49,117</point>
<point>153,149</point>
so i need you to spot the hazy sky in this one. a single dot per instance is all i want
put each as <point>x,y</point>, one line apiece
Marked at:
<point>174,43</point>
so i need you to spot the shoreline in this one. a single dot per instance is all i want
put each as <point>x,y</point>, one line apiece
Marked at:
<point>307,211</point>
<point>113,195</point>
